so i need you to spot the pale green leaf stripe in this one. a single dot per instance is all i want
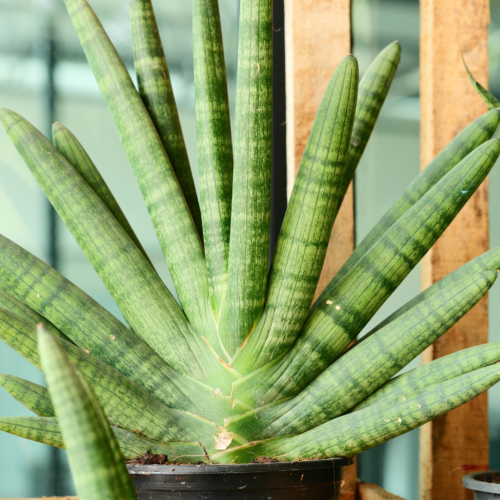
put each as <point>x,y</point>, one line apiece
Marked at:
<point>10,303</point>
<point>93,328</point>
<point>46,431</point>
<point>436,371</point>
<point>336,321</point>
<point>156,91</point>
<point>167,206</point>
<point>125,403</point>
<point>485,95</point>
<point>94,465</point>
<point>145,301</point>
<point>359,431</point>
<point>372,91</point>
<point>469,139</point>
<point>33,396</point>
<point>251,205</point>
<point>488,260</point>
<point>66,142</point>
<point>305,233</point>
<point>215,150</point>
<point>367,366</point>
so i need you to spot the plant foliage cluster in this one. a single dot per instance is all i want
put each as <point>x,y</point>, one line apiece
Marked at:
<point>244,366</point>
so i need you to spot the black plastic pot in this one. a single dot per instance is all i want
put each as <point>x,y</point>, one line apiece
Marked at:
<point>311,480</point>
<point>486,485</point>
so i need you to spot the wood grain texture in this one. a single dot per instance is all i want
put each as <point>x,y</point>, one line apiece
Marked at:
<point>310,26</point>
<point>368,491</point>
<point>349,487</point>
<point>450,28</point>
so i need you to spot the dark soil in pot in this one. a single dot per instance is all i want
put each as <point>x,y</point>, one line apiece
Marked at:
<point>311,480</point>
<point>486,485</point>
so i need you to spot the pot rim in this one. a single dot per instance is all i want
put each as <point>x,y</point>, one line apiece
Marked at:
<point>478,481</point>
<point>235,468</point>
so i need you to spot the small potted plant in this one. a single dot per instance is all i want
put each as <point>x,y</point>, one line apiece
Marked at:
<point>485,485</point>
<point>243,389</point>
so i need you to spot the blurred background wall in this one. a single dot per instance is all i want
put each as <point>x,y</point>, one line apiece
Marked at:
<point>44,77</point>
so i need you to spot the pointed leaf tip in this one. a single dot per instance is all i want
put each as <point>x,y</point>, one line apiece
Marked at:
<point>350,59</point>
<point>4,114</point>
<point>56,126</point>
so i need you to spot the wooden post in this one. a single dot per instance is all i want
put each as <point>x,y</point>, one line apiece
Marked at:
<point>317,38</point>
<point>449,28</point>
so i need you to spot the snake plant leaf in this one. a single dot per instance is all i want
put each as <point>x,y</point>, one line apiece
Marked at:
<point>359,431</point>
<point>306,230</point>
<point>488,260</point>
<point>66,142</point>
<point>132,445</point>
<point>94,464</point>
<point>439,370</point>
<point>10,303</point>
<point>176,231</point>
<point>475,134</point>
<point>110,437</point>
<point>485,95</point>
<point>349,381</point>
<point>251,202</point>
<point>125,403</point>
<point>215,150</point>
<point>156,92</point>
<point>145,301</point>
<point>93,328</point>
<point>186,394</point>
<point>335,322</point>
<point>33,396</point>
<point>373,89</point>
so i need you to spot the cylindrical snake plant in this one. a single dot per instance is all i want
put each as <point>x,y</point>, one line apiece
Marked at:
<point>242,366</point>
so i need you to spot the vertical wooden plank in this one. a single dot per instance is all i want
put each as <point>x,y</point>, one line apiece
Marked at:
<point>317,38</point>
<point>349,487</point>
<point>450,28</point>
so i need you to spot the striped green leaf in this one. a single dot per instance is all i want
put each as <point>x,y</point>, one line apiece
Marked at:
<point>73,151</point>
<point>439,370</point>
<point>336,321</point>
<point>486,96</point>
<point>215,150</point>
<point>488,260</point>
<point>97,470</point>
<point>164,385</point>
<point>368,365</point>
<point>125,403</point>
<point>145,301</point>
<point>10,303</point>
<point>132,445</point>
<point>251,203</point>
<point>33,396</point>
<point>155,89</point>
<point>93,328</point>
<point>305,233</point>
<point>167,206</point>
<point>373,89</point>
<point>359,431</point>
<point>98,411</point>
<point>475,134</point>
